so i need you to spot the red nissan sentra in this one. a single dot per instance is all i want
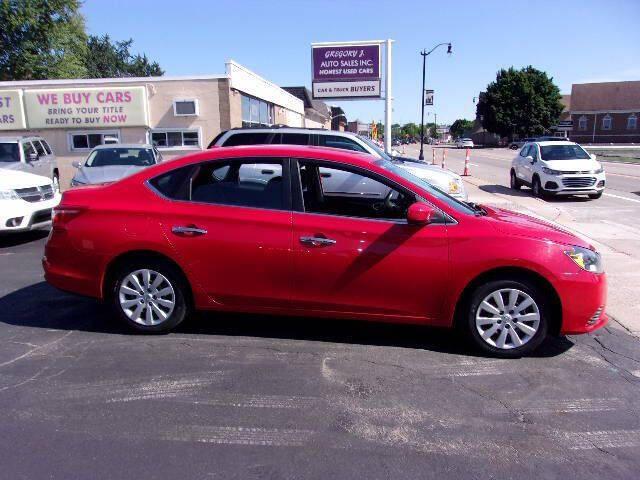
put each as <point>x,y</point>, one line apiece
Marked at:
<point>320,232</point>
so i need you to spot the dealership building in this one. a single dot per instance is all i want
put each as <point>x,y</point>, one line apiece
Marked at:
<point>177,114</point>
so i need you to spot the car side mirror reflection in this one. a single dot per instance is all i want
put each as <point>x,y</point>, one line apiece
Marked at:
<point>420,213</point>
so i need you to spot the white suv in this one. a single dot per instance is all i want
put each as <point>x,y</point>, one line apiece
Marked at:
<point>444,180</point>
<point>557,168</point>
<point>31,155</point>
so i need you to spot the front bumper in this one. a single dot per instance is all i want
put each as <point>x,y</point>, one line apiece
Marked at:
<point>583,296</point>
<point>573,184</point>
<point>22,216</point>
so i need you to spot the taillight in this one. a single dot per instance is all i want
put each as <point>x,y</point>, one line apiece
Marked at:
<point>63,214</point>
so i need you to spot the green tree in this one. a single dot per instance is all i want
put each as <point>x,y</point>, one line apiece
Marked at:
<point>410,130</point>
<point>522,102</point>
<point>107,59</point>
<point>41,39</point>
<point>460,126</point>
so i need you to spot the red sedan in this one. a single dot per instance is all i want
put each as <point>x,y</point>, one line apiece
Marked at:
<point>320,232</point>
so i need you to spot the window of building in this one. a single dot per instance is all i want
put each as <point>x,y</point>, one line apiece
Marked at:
<point>88,140</point>
<point>606,122</point>
<point>582,123</point>
<point>168,138</point>
<point>632,122</point>
<point>185,107</point>
<point>256,113</point>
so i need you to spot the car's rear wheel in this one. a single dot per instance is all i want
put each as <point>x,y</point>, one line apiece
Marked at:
<point>507,318</point>
<point>150,296</point>
<point>515,183</point>
<point>595,196</point>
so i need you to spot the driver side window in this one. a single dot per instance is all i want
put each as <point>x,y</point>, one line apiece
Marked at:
<point>337,191</point>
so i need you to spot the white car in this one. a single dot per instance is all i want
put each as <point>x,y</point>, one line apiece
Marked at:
<point>445,180</point>
<point>26,201</point>
<point>557,168</point>
<point>464,143</point>
<point>31,155</point>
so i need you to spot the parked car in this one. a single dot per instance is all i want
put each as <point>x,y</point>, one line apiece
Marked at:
<point>446,180</point>
<point>26,201</point>
<point>517,144</point>
<point>199,233</point>
<point>110,163</point>
<point>464,143</point>
<point>557,168</point>
<point>30,155</point>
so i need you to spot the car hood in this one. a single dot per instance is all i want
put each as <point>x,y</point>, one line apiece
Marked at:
<point>572,165</point>
<point>11,179</point>
<point>432,173</point>
<point>112,173</point>
<point>521,225</point>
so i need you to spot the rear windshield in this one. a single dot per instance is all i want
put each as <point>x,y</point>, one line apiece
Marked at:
<point>105,157</point>
<point>9,152</point>
<point>563,152</point>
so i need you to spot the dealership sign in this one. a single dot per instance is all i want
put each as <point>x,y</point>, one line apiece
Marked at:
<point>11,110</point>
<point>86,107</point>
<point>346,71</point>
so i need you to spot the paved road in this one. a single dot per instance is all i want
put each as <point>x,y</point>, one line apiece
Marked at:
<point>254,397</point>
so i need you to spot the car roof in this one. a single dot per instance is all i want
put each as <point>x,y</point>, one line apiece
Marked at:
<point>19,138</point>
<point>544,143</point>
<point>285,129</point>
<point>122,145</point>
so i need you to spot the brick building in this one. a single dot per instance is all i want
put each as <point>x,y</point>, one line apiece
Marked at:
<point>607,112</point>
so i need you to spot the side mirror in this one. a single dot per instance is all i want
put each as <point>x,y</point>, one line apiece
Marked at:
<point>593,156</point>
<point>420,213</point>
<point>530,159</point>
<point>76,164</point>
<point>32,157</point>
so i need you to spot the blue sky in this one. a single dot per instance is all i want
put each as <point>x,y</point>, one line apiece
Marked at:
<point>574,41</point>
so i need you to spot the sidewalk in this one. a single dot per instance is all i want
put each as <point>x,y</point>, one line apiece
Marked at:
<point>623,270</point>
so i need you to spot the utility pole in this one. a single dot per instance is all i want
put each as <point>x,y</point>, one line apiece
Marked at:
<point>387,100</point>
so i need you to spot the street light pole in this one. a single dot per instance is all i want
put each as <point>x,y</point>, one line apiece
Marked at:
<point>424,54</point>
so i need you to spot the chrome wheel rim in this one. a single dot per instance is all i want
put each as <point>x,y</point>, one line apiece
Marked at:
<point>147,297</point>
<point>507,318</point>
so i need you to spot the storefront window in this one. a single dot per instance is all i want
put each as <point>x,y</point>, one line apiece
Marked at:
<point>89,140</point>
<point>256,113</point>
<point>174,138</point>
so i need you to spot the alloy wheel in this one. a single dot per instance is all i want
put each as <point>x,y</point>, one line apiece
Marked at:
<point>147,297</point>
<point>507,318</point>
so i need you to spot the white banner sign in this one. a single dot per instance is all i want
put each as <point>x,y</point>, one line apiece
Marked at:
<point>428,97</point>
<point>362,89</point>
<point>11,110</point>
<point>87,107</point>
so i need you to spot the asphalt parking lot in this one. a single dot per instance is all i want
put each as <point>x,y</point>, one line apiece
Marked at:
<point>238,396</point>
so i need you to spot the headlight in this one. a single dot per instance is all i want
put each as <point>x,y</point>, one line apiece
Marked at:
<point>8,195</point>
<point>550,171</point>
<point>586,259</point>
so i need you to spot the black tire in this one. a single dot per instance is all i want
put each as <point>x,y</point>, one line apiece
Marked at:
<point>174,278</point>
<point>515,183</point>
<point>595,196</point>
<point>484,290</point>
<point>536,188</point>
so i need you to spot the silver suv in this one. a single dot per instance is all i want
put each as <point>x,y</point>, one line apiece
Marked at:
<point>444,180</point>
<point>31,155</point>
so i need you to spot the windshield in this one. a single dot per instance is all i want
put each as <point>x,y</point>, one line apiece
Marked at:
<point>106,157</point>
<point>9,152</point>
<point>439,194</point>
<point>563,152</point>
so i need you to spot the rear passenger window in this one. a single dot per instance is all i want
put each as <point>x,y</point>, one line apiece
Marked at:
<point>295,139</point>
<point>334,141</point>
<point>174,184</point>
<point>257,138</point>
<point>246,183</point>
<point>46,147</point>
<point>39,148</point>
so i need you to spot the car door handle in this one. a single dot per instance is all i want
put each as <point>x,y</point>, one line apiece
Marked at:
<point>188,231</point>
<point>317,241</point>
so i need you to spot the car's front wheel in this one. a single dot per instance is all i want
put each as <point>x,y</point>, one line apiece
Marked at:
<point>507,318</point>
<point>537,189</point>
<point>150,296</point>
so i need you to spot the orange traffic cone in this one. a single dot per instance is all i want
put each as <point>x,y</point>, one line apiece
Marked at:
<point>466,164</point>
